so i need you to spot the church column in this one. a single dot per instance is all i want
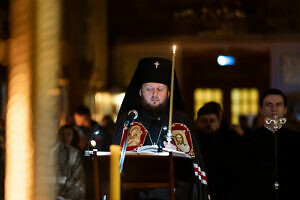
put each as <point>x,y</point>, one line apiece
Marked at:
<point>47,62</point>
<point>32,93</point>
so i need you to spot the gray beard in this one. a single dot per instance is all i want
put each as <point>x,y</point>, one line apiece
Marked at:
<point>154,111</point>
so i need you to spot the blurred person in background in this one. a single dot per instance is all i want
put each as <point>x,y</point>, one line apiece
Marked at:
<point>91,130</point>
<point>258,122</point>
<point>68,135</point>
<point>108,123</point>
<point>244,127</point>
<point>220,151</point>
<point>68,168</point>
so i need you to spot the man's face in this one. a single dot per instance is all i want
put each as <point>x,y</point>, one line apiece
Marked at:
<point>273,105</point>
<point>154,94</point>
<point>82,120</point>
<point>208,123</point>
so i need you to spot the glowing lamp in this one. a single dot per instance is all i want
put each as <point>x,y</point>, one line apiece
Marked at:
<point>93,143</point>
<point>225,60</point>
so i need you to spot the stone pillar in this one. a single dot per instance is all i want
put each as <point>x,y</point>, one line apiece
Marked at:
<point>47,62</point>
<point>32,93</point>
<point>19,179</point>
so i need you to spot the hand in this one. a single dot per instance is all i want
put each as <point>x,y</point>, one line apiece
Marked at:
<point>169,146</point>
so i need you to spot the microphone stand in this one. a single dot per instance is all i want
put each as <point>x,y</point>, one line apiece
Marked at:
<point>122,158</point>
<point>276,125</point>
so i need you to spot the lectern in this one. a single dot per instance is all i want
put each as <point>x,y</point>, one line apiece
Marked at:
<point>142,171</point>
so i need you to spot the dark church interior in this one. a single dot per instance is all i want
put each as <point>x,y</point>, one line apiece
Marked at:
<point>58,55</point>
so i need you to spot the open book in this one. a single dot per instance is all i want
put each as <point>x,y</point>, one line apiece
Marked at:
<point>154,149</point>
<point>145,150</point>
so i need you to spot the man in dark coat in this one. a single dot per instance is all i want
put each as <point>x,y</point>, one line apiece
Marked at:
<point>219,147</point>
<point>148,93</point>
<point>272,160</point>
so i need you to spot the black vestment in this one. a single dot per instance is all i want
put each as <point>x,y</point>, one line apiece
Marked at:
<point>220,152</point>
<point>258,173</point>
<point>196,191</point>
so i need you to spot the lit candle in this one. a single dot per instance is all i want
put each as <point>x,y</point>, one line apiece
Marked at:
<point>169,134</point>
<point>115,177</point>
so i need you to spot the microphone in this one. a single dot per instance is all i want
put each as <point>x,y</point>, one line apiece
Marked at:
<point>132,115</point>
<point>92,141</point>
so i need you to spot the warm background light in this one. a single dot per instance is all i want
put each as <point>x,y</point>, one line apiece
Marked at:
<point>107,103</point>
<point>244,101</point>
<point>205,95</point>
<point>19,144</point>
<point>32,92</point>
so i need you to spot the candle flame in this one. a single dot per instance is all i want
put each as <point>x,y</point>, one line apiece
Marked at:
<point>174,49</point>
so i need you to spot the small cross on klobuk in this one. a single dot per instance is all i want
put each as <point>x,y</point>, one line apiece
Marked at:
<point>156,64</point>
